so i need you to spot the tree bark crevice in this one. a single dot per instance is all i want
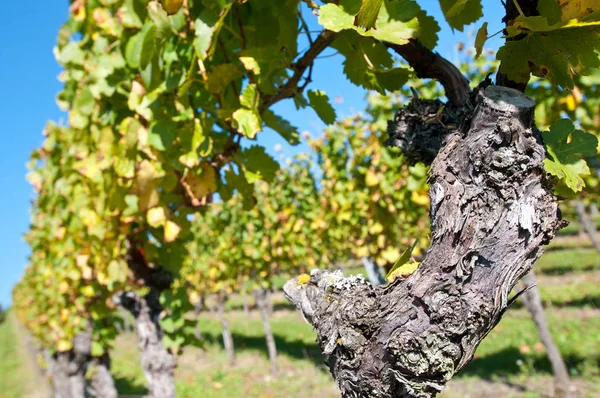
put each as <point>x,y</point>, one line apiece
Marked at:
<point>492,210</point>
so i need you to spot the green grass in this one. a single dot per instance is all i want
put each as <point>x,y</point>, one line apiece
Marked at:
<point>206,372</point>
<point>564,261</point>
<point>12,378</point>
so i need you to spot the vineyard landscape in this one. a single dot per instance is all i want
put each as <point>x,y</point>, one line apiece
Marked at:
<point>298,198</point>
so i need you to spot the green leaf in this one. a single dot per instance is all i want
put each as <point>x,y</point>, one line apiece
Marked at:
<point>249,97</point>
<point>480,39</point>
<point>84,102</point>
<point>282,126</point>
<point>129,16</point>
<point>550,9</point>
<point>162,134</point>
<point>141,46</point>
<point>147,45</point>
<point>320,103</point>
<point>71,54</point>
<point>565,155</point>
<point>221,76</point>
<point>392,26</point>
<point>247,122</point>
<point>161,20</point>
<point>203,38</point>
<point>367,15</point>
<point>260,164</point>
<point>459,13</point>
<point>557,52</point>
<point>117,271</point>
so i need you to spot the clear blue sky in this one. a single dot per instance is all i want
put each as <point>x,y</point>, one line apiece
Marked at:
<point>29,87</point>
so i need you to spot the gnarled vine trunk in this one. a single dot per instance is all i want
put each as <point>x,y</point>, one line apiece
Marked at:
<point>67,369</point>
<point>492,211</point>
<point>158,363</point>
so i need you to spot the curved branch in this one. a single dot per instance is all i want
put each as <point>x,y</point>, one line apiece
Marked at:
<point>492,211</point>
<point>325,38</point>
<point>431,65</point>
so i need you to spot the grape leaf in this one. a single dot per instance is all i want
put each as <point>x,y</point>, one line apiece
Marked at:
<point>550,9</point>
<point>557,51</point>
<point>320,103</point>
<point>459,13</point>
<point>392,26</point>
<point>259,164</point>
<point>480,39</point>
<point>564,159</point>
<point>198,187</point>
<point>160,18</point>
<point>247,122</point>
<point>367,15</point>
<point>282,126</point>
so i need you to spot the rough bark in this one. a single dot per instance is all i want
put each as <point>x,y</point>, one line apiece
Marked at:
<point>102,384</point>
<point>157,362</point>
<point>533,302</point>
<point>587,224</point>
<point>226,332</point>
<point>492,211</point>
<point>374,274</point>
<point>262,301</point>
<point>67,369</point>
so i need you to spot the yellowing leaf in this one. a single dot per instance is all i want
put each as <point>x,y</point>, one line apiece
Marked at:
<point>577,9</point>
<point>391,254</point>
<point>303,279</point>
<point>146,185</point>
<point>88,291</point>
<point>420,197</point>
<point>117,271</point>
<point>172,6</point>
<point>171,231</point>
<point>403,271</point>
<point>198,187</point>
<point>480,39</point>
<point>371,178</point>
<point>64,345</point>
<point>376,228</point>
<point>156,217</point>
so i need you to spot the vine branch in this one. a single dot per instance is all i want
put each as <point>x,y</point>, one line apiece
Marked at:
<point>325,38</point>
<point>428,64</point>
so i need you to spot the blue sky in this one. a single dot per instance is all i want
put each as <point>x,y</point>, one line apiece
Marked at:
<point>30,85</point>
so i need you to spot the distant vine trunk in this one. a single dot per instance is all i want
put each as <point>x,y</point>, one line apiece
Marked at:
<point>262,301</point>
<point>102,384</point>
<point>158,363</point>
<point>492,210</point>
<point>373,271</point>
<point>587,224</point>
<point>226,332</point>
<point>533,302</point>
<point>68,369</point>
<point>198,308</point>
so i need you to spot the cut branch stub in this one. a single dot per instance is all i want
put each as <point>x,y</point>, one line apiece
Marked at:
<point>491,213</point>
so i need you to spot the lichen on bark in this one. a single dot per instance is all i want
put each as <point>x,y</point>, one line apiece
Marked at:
<point>492,210</point>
